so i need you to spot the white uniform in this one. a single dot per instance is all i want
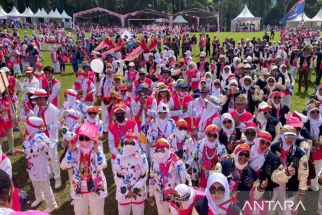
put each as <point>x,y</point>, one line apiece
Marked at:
<point>27,84</point>
<point>159,129</point>
<point>104,90</point>
<point>160,187</point>
<point>88,197</point>
<point>36,152</point>
<point>131,172</point>
<point>50,115</point>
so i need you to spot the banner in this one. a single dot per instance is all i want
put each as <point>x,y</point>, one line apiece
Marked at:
<point>296,10</point>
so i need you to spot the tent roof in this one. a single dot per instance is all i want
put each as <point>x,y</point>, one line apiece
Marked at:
<point>246,15</point>
<point>57,14</point>
<point>41,13</point>
<point>318,16</point>
<point>3,14</point>
<point>179,20</point>
<point>300,18</point>
<point>27,13</point>
<point>65,15</point>
<point>14,12</point>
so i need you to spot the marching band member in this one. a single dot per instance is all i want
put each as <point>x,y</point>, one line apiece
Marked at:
<point>118,129</point>
<point>166,171</point>
<point>87,160</point>
<point>182,144</point>
<point>84,87</point>
<point>71,102</point>
<point>50,115</point>
<point>51,85</point>
<point>208,152</point>
<point>36,149</point>
<point>130,175</point>
<point>292,174</point>
<point>29,82</point>
<point>160,127</point>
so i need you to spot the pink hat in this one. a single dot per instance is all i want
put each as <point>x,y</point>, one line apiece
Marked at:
<point>293,121</point>
<point>88,130</point>
<point>251,125</point>
<point>35,122</point>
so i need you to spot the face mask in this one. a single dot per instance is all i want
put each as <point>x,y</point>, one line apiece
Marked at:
<point>182,134</point>
<point>158,156</point>
<point>86,145</point>
<point>129,149</point>
<point>120,117</point>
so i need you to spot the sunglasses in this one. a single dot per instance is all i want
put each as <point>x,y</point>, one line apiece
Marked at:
<point>271,81</point>
<point>83,138</point>
<point>315,112</point>
<point>129,143</point>
<point>92,113</point>
<point>227,122</point>
<point>217,84</point>
<point>246,154</point>
<point>290,136</point>
<point>212,135</point>
<point>263,142</point>
<point>277,98</point>
<point>265,113</point>
<point>160,150</point>
<point>182,128</point>
<point>250,133</point>
<point>219,190</point>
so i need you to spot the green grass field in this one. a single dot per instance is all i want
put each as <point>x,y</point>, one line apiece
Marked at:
<point>62,195</point>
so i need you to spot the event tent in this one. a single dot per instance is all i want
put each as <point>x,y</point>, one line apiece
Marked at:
<point>245,20</point>
<point>65,15</point>
<point>14,13</point>
<point>3,14</point>
<point>41,14</point>
<point>27,13</point>
<point>179,20</point>
<point>57,14</point>
<point>301,18</point>
<point>317,19</point>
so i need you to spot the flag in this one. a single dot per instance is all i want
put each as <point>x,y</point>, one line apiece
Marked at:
<point>296,10</point>
<point>3,82</point>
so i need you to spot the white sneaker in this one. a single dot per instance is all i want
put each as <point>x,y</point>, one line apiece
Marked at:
<point>57,183</point>
<point>72,203</point>
<point>49,210</point>
<point>36,203</point>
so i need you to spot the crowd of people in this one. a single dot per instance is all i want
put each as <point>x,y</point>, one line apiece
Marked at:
<point>191,134</point>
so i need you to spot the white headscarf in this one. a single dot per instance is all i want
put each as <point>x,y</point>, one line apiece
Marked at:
<point>225,75</point>
<point>257,158</point>
<point>216,91</point>
<point>317,93</point>
<point>273,87</point>
<point>157,58</point>
<point>315,124</point>
<point>261,119</point>
<point>213,206</point>
<point>230,130</point>
<point>183,190</point>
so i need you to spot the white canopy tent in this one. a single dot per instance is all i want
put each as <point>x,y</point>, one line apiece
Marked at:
<point>245,21</point>
<point>301,18</point>
<point>27,13</point>
<point>179,20</point>
<point>3,14</point>
<point>14,13</point>
<point>41,14</point>
<point>65,15</point>
<point>317,19</point>
<point>57,15</point>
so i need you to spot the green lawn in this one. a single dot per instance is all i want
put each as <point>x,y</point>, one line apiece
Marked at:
<point>62,195</point>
